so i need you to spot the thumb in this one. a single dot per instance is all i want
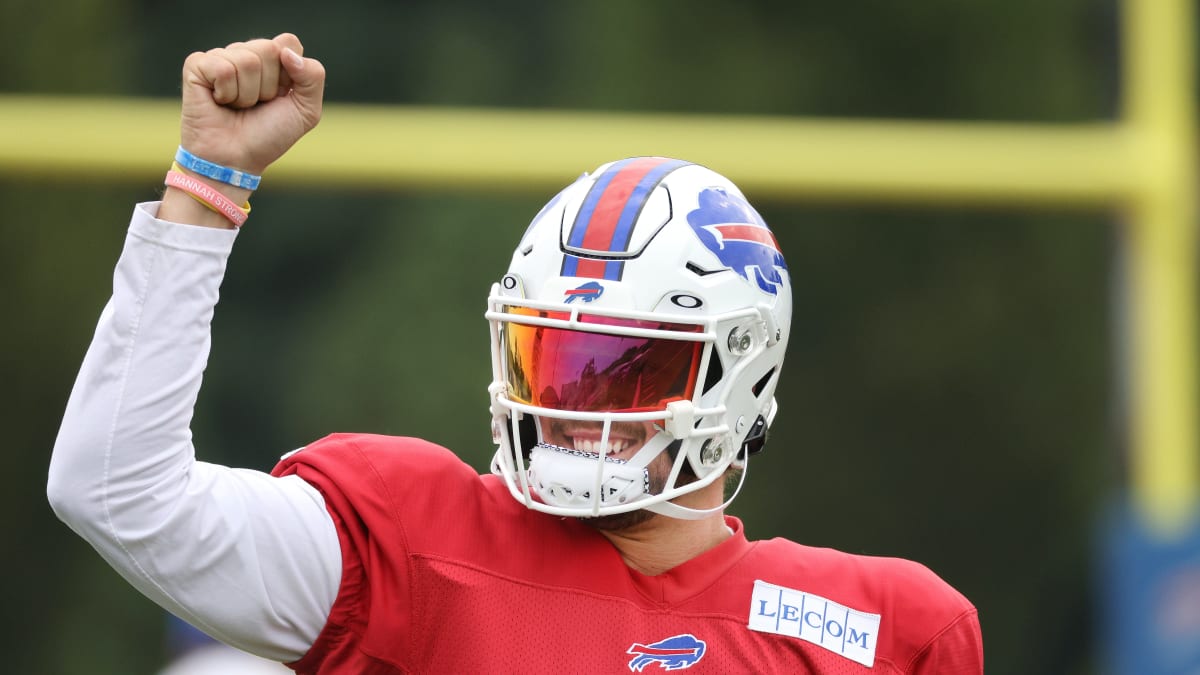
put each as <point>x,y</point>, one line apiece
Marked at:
<point>308,84</point>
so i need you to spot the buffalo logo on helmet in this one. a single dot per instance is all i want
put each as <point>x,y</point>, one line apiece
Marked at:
<point>586,292</point>
<point>674,653</point>
<point>729,227</point>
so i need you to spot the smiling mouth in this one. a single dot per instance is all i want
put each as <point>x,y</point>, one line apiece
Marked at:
<point>593,446</point>
<point>586,438</point>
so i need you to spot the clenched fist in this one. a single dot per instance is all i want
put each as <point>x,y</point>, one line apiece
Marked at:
<point>246,104</point>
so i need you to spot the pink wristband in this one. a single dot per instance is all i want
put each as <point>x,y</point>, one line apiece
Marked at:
<point>209,197</point>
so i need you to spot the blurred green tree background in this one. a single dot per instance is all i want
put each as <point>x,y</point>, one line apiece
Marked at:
<point>949,394</point>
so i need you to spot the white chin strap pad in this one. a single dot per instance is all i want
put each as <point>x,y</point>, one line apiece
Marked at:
<point>567,478</point>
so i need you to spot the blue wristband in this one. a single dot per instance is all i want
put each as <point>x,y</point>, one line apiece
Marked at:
<point>215,171</point>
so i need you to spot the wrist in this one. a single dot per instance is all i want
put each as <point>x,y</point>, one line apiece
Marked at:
<point>209,169</point>
<point>222,153</point>
<point>179,206</point>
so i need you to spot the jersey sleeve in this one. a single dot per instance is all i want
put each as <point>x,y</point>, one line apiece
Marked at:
<point>958,649</point>
<point>925,626</point>
<point>388,497</point>
<point>934,623</point>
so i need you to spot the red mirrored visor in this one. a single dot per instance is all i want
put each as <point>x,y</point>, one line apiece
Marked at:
<point>583,371</point>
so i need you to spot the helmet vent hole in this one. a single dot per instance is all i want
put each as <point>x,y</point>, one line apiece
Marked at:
<point>527,250</point>
<point>699,271</point>
<point>762,383</point>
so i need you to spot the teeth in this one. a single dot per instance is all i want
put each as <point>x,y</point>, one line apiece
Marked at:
<point>588,445</point>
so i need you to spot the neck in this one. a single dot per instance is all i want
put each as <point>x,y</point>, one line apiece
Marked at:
<point>661,543</point>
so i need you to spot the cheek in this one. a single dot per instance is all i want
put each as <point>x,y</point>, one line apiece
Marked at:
<point>548,430</point>
<point>660,470</point>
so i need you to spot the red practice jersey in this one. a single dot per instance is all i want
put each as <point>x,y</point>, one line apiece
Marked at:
<point>444,572</point>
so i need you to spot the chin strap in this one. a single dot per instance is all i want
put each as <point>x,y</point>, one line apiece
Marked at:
<point>673,510</point>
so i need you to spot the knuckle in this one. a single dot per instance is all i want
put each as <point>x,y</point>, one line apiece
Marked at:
<point>193,60</point>
<point>287,39</point>
<point>247,62</point>
<point>264,47</point>
<point>222,69</point>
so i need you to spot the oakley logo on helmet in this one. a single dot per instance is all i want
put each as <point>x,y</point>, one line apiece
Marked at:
<point>673,653</point>
<point>729,227</point>
<point>686,301</point>
<point>587,292</point>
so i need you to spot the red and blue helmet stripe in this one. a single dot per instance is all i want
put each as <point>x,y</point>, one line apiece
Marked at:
<point>609,212</point>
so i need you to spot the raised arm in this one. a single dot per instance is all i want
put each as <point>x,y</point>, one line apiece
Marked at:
<point>251,559</point>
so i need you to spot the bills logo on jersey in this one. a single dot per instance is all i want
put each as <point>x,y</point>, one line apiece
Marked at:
<point>673,653</point>
<point>729,227</point>
<point>586,292</point>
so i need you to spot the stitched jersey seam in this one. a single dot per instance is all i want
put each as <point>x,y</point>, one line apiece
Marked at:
<point>395,508</point>
<point>937,636</point>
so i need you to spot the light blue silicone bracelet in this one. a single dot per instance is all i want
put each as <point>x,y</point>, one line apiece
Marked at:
<point>215,171</point>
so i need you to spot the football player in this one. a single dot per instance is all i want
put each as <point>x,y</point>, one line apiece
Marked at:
<point>637,339</point>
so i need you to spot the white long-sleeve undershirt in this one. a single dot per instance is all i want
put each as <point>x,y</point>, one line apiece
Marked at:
<point>251,559</point>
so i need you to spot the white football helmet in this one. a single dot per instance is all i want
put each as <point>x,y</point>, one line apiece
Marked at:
<point>648,291</point>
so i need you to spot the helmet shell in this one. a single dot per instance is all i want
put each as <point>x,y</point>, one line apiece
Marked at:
<point>663,239</point>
